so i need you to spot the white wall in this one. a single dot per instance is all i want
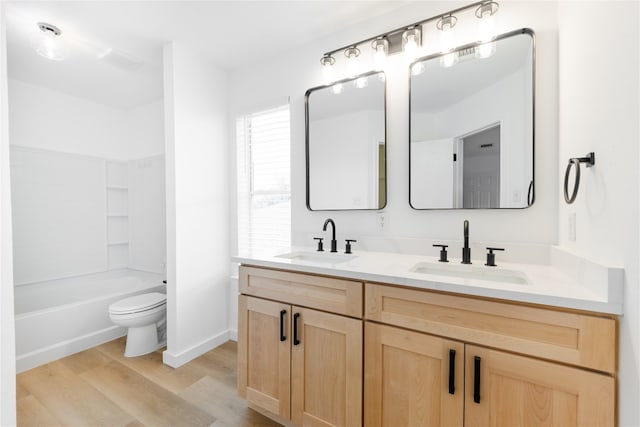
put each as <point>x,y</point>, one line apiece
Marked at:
<point>52,120</point>
<point>7,334</point>
<point>599,104</point>
<point>197,152</point>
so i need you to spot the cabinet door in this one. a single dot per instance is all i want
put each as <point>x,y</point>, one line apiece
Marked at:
<point>264,354</point>
<point>517,390</point>
<point>326,369</point>
<point>408,377</point>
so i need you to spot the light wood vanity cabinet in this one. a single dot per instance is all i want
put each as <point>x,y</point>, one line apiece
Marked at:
<point>496,386</point>
<point>429,358</point>
<point>302,364</point>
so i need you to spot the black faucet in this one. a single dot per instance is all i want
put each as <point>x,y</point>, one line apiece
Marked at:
<point>466,251</point>
<point>334,243</point>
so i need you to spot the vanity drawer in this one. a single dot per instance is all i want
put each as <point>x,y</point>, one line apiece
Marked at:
<point>569,337</point>
<point>323,293</point>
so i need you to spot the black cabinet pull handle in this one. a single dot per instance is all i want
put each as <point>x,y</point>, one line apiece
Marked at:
<point>452,371</point>
<point>282,335</point>
<point>476,379</point>
<point>296,341</point>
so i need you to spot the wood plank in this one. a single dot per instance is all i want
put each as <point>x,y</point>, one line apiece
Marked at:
<point>306,290</point>
<point>70,399</point>
<point>151,366</point>
<point>31,412</point>
<point>85,360</point>
<point>220,400</point>
<point>148,402</point>
<point>568,337</point>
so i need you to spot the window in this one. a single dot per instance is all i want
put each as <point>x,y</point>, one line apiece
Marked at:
<point>264,181</point>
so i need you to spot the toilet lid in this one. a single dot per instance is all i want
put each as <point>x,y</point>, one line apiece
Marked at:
<point>138,303</point>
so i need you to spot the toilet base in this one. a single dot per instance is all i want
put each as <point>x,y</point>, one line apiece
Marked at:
<point>142,340</point>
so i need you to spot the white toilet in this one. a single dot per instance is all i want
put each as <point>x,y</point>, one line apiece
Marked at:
<point>145,316</point>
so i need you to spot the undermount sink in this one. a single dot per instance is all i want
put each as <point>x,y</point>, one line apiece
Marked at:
<point>322,257</point>
<point>491,274</point>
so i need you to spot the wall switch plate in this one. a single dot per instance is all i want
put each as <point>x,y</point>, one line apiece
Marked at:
<point>572,227</point>
<point>381,221</point>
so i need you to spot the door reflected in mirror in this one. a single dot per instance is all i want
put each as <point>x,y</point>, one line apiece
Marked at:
<point>346,144</point>
<point>471,126</point>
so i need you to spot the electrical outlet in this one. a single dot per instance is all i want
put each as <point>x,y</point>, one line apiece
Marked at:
<point>572,227</point>
<point>381,221</point>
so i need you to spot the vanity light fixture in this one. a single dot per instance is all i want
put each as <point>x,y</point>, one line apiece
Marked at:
<point>408,39</point>
<point>352,54</point>
<point>449,60</point>
<point>47,42</point>
<point>380,48</point>
<point>337,88</point>
<point>485,13</point>
<point>445,24</point>
<point>361,82</point>
<point>327,62</point>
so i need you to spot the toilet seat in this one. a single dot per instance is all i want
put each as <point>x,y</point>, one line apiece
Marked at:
<point>138,303</point>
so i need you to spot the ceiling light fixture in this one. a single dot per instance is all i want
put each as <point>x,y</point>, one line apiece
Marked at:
<point>408,39</point>
<point>47,42</point>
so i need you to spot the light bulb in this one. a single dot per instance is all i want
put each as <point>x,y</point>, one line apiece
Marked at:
<point>485,50</point>
<point>380,47</point>
<point>337,88</point>
<point>485,13</point>
<point>445,25</point>
<point>352,54</point>
<point>327,62</point>
<point>411,46</point>
<point>449,60</point>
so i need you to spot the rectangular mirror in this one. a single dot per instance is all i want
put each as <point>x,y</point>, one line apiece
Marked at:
<point>471,126</point>
<point>346,144</point>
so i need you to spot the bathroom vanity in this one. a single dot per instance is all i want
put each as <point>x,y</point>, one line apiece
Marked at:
<point>388,339</point>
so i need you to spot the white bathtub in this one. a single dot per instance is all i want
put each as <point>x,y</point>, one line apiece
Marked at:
<point>60,317</point>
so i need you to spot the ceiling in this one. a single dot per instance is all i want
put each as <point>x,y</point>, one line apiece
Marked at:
<point>231,34</point>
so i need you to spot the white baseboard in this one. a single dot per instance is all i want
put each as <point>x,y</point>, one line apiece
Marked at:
<point>175,360</point>
<point>233,334</point>
<point>48,354</point>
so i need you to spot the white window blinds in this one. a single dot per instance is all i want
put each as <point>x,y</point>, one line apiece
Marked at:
<point>264,181</point>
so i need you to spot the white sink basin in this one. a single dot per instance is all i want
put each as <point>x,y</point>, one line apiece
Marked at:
<point>491,274</point>
<point>321,257</point>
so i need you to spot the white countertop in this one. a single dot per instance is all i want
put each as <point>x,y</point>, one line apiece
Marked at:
<point>571,282</point>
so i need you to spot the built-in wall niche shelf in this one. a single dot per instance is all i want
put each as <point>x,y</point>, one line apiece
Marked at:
<point>117,212</point>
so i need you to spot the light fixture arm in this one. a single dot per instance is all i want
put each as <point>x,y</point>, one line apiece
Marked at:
<point>389,34</point>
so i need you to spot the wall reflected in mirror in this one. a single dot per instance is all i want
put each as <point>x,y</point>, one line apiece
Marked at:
<point>471,126</point>
<point>346,144</point>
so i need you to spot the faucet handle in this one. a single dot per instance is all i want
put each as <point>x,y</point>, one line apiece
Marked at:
<point>443,252</point>
<point>347,248</point>
<point>491,257</point>
<point>320,248</point>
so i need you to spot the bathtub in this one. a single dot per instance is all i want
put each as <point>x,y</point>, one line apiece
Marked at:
<point>57,318</point>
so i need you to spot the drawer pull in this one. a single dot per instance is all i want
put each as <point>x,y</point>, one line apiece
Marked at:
<point>282,335</point>
<point>476,379</point>
<point>296,341</point>
<point>452,371</point>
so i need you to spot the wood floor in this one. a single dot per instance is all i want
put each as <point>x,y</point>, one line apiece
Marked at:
<point>100,387</point>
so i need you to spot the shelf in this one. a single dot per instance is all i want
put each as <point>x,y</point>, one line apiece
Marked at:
<point>117,215</point>
<point>117,187</point>
<point>117,243</point>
